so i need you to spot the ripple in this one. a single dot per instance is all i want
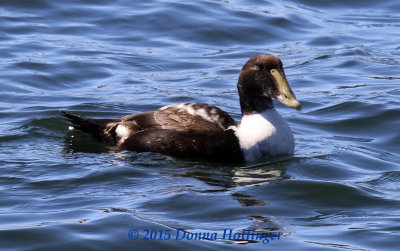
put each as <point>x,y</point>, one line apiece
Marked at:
<point>109,59</point>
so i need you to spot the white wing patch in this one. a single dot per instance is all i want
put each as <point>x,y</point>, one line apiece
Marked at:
<point>264,134</point>
<point>194,109</point>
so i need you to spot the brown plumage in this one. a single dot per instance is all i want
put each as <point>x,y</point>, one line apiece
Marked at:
<point>197,129</point>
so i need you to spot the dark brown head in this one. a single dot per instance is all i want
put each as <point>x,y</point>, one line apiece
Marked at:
<point>261,79</point>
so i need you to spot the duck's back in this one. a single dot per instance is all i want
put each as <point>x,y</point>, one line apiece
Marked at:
<point>187,130</point>
<point>182,117</point>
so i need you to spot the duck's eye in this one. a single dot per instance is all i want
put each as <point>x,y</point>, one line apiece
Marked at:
<point>260,67</point>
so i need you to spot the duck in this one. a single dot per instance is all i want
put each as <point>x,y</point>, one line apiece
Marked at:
<point>204,131</point>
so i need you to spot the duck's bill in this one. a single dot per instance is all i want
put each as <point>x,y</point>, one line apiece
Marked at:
<point>286,95</point>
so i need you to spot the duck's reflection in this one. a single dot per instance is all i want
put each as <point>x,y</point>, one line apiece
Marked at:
<point>222,179</point>
<point>232,176</point>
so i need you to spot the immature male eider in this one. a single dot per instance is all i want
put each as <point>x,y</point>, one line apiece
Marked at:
<point>199,130</point>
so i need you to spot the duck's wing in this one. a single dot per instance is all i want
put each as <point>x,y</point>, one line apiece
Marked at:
<point>187,117</point>
<point>182,117</point>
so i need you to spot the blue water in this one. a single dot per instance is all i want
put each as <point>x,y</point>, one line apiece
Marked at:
<point>62,190</point>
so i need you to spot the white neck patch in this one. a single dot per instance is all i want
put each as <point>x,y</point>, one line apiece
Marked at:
<point>264,134</point>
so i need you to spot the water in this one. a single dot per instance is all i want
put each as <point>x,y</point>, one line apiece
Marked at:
<point>61,189</point>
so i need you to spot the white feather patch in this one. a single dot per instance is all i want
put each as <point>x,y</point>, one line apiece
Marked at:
<point>265,134</point>
<point>211,115</point>
<point>122,132</point>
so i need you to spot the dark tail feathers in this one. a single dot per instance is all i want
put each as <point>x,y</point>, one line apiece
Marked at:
<point>93,126</point>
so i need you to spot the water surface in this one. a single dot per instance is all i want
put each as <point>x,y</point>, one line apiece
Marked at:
<point>61,189</point>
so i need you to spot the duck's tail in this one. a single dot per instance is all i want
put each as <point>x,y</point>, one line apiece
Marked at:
<point>96,127</point>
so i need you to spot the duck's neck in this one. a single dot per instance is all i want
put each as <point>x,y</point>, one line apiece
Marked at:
<point>264,134</point>
<point>255,105</point>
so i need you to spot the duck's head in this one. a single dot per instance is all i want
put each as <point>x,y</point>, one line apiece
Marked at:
<point>261,79</point>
